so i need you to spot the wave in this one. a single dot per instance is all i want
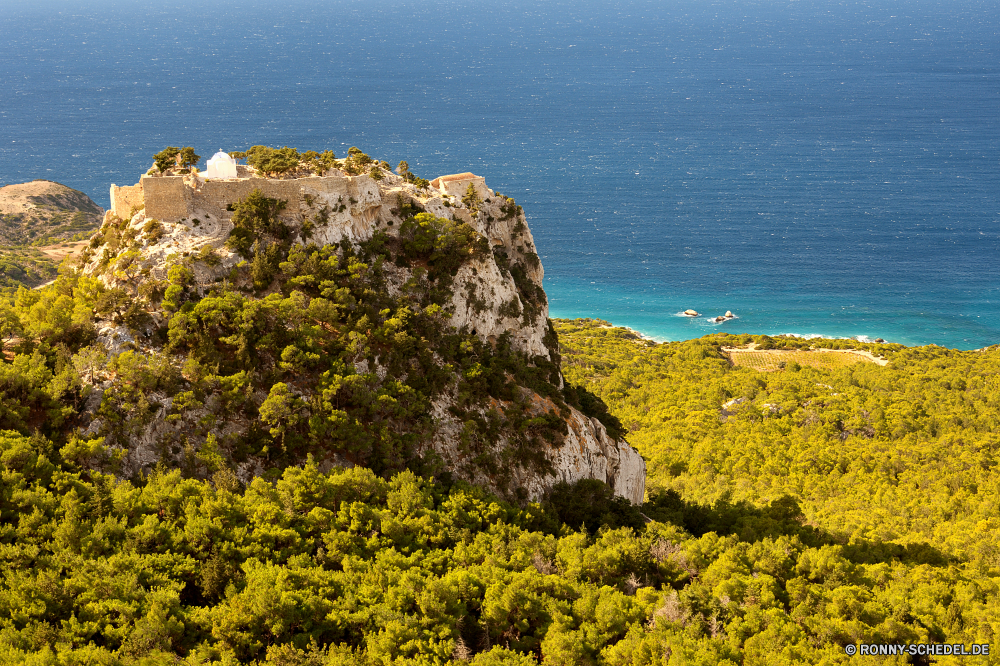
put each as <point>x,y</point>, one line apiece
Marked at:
<point>642,335</point>
<point>820,336</point>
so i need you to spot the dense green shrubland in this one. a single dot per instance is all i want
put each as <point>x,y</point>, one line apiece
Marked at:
<point>830,507</point>
<point>906,452</point>
<point>347,567</point>
<point>892,466</point>
<point>99,570</point>
<point>305,567</point>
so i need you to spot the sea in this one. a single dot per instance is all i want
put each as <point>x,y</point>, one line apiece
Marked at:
<point>816,167</point>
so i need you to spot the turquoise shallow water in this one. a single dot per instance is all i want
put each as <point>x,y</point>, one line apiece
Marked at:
<point>822,168</point>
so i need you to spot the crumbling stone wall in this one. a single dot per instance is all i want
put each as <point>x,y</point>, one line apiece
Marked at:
<point>355,192</point>
<point>171,198</point>
<point>125,199</point>
<point>457,184</point>
<point>214,195</point>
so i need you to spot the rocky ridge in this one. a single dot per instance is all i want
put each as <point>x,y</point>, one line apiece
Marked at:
<point>44,209</point>
<point>494,295</point>
<point>38,222</point>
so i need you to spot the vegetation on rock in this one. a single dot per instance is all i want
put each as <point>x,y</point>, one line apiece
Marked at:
<point>273,161</point>
<point>404,170</point>
<point>300,349</point>
<point>176,479</point>
<point>172,157</point>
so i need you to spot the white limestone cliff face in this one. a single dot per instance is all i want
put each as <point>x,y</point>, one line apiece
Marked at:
<point>352,204</point>
<point>491,295</point>
<point>356,207</point>
<point>587,452</point>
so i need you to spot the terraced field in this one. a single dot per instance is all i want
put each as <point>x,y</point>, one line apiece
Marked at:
<point>767,360</point>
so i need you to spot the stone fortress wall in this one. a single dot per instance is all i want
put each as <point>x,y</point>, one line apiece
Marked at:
<point>172,198</point>
<point>213,196</point>
<point>166,197</point>
<point>126,199</point>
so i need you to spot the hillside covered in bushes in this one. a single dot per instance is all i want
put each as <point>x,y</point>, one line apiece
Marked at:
<point>41,222</point>
<point>736,563</point>
<point>344,434</point>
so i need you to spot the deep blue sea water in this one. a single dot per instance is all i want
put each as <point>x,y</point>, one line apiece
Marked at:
<point>817,167</point>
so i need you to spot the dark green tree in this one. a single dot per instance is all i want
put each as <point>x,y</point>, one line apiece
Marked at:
<point>471,200</point>
<point>272,161</point>
<point>256,216</point>
<point>166,158</point>
<point>188,157</point>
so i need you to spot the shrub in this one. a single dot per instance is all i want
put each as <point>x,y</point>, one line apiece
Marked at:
<point>510,209</point>
<point>254,217</point>
<point>153,230</point>
<point>444,244</point>
<point>208,255</point>
<point>167,158</point>
<point>273,161</point>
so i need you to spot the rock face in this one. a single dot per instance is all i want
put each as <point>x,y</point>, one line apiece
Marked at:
<point>486,299</point>
<point>500,294</point>
<point>588,452</point>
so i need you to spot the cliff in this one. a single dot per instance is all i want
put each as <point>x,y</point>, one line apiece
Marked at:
<point>363,319</point>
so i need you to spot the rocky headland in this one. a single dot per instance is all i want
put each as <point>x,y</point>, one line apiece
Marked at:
<point>45,210</point>
<point>396,322</point>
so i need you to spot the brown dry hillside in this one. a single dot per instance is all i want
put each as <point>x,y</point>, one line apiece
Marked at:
<point>43,210</point>
<point>41,222</point>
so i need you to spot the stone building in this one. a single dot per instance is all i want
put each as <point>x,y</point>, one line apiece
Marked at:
<point>457,184</point>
